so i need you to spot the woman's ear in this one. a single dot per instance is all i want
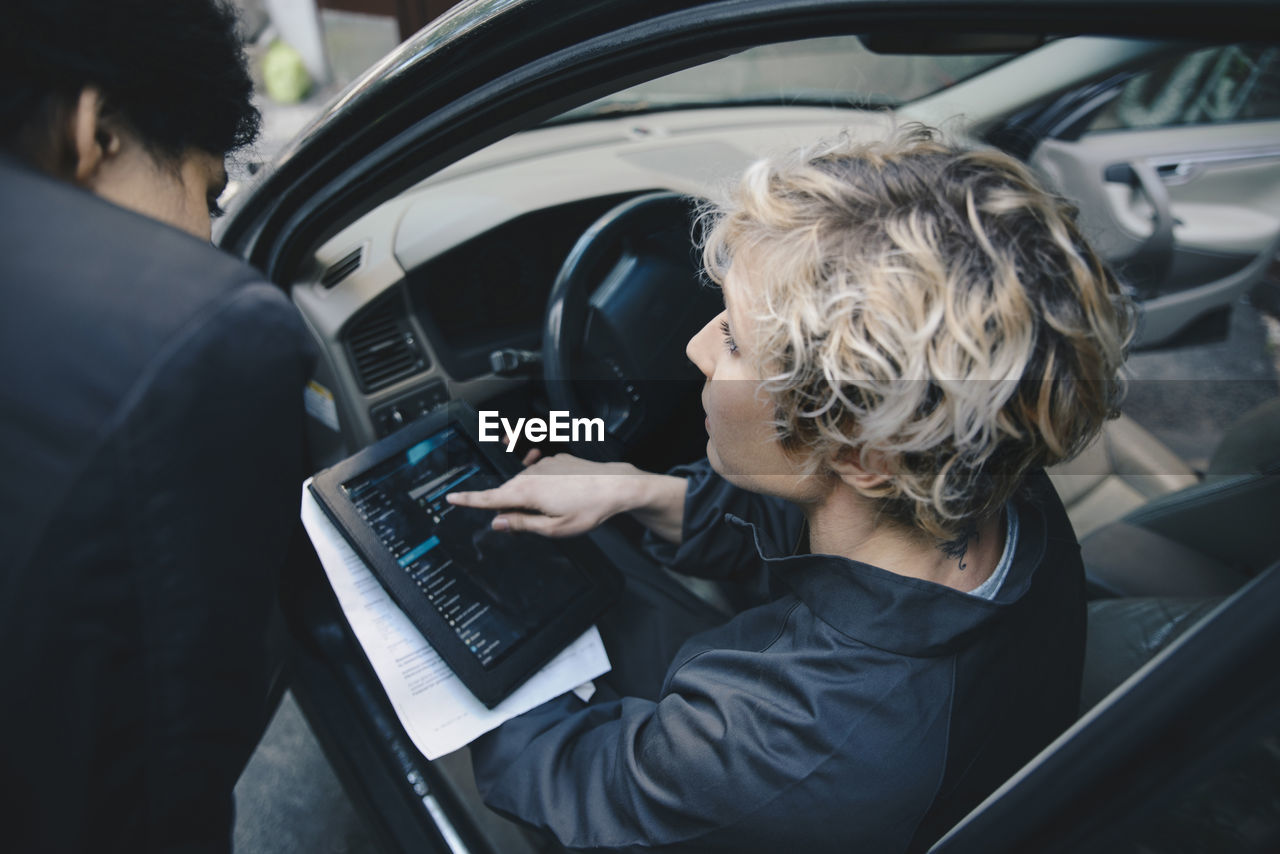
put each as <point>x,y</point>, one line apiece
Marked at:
<point>93,140</point>
<point>848,466</point>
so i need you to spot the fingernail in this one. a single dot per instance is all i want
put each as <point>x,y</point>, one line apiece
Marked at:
<point>500,524</point>
<point>450,497</point>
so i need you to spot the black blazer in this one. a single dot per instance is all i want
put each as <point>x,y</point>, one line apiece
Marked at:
<point>150,462</point>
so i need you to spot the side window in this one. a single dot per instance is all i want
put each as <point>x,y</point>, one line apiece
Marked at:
<point>1208,86</point>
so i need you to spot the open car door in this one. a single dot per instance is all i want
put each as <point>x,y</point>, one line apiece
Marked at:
<point>491,68</point>
<point>1176,169</point>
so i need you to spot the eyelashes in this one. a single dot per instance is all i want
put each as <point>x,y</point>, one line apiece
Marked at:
<point>728,337</point>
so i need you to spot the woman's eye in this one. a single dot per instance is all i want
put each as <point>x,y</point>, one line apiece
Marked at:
<point>728,337</point>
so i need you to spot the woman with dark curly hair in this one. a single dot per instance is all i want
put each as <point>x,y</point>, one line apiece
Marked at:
<point>137,101</point>
<point>912,331</point>
<point>151,430</point>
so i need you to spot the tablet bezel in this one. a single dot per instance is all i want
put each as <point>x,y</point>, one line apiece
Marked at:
<point>495,684</point>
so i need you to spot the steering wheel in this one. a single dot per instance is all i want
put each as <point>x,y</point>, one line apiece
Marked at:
<point>624,303</point>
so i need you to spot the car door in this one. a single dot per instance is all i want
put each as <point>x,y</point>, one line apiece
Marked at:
<point>484,71</point>
<point>1176,170</point>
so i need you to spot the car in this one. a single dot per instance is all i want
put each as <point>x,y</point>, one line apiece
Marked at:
<point>499,212</point>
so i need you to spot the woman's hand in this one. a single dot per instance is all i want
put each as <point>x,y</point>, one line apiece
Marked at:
<point>557,496</point>
<point>563,495</point>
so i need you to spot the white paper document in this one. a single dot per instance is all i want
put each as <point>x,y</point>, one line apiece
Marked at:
<point>436,709</point>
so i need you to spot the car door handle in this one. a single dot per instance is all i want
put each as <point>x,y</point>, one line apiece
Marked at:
<point>1182,172</point>
<point>1171,173</point>
<point>1154,257</point>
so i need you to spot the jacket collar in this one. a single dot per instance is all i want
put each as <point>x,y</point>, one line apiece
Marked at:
<point>897,613</point>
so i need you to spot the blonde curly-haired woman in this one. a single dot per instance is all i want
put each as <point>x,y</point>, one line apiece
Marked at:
<point>911,332</point>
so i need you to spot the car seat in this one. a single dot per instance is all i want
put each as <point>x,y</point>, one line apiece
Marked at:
<point>1126,467</point>
<point>1174,534</point>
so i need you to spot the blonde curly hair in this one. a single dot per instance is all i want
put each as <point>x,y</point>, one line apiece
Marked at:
<point>930,308</point>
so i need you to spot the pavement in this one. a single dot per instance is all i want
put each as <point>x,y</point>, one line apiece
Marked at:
<point>289,799</point>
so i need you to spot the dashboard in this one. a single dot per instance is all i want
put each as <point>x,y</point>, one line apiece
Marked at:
<point>409,302</point>
<point>491,291</point>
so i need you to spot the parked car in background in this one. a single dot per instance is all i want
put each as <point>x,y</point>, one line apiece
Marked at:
<point>462,224</point>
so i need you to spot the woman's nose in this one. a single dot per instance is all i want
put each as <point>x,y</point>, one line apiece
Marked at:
<point>700,348</point>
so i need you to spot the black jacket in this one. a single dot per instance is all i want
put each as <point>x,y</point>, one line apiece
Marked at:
<point>858,710</point>
<point>150,444</point>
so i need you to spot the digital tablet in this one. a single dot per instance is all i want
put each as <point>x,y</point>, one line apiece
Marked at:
<point>497,606</point>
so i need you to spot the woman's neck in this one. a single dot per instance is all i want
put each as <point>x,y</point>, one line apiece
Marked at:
<point>843,523</point>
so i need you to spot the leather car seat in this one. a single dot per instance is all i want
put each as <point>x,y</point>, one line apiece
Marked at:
<point>1126,467</point>
<point>1173,534</point>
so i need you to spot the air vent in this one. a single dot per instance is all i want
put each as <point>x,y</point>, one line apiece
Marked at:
<point>339,271</point>
<point>382,346</point>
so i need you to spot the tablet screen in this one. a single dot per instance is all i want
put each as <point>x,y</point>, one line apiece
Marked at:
<point>492,588</point>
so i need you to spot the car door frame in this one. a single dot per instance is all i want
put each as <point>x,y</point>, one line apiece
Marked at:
<point>480,73</point>
<point>488,69</point>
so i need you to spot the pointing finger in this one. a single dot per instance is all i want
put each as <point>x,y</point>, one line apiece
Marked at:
<point>485,499</point>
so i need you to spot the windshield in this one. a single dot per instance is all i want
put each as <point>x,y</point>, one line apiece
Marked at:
<point>838,71</point>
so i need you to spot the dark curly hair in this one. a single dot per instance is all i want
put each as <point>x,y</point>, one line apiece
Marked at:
<point>173,70</point>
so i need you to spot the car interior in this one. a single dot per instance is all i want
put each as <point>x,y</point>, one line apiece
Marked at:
<point>557,269</point>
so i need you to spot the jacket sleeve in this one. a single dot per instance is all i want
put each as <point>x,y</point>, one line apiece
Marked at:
<point>689,771</point>
<point>212,457</point>
<point>712,548</point>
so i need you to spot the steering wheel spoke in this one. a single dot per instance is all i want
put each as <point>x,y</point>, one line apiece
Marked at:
<point>624,303</point>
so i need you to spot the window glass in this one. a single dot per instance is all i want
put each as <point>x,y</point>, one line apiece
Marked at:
<point>836,71</point>
<point>1208,86</point>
